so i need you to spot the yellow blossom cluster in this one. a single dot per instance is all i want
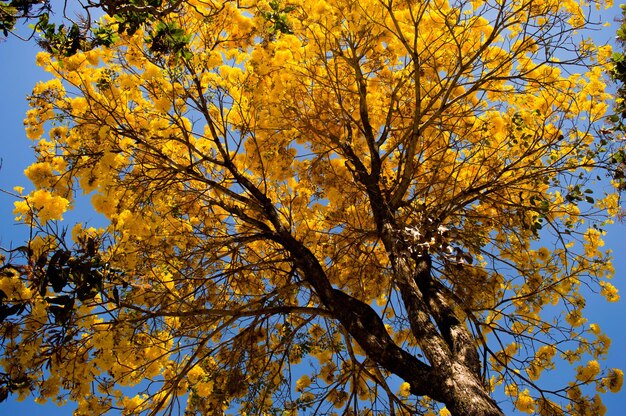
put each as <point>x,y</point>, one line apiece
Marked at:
<point>13,287</point>
<point>588,372</point>
<point>42,203</point>
<point>405,389</point>
<point>525,403</point>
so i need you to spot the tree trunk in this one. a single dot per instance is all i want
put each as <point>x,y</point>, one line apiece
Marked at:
<point>465,395</point>
<point>449,380</point>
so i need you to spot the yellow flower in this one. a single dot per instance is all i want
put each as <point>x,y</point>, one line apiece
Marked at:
<point>204,388</point>
<point>44,204</point>
<point>609,292</point>
<point>594,241</point>
<point>163,104</point>
<point>595,329</point>
<point>614,380</point>
<point>588,372</point>
<point>546,407</point>
<point>48,205</point>
<point>13,287</point>
<point>405,389</point>
<point>34,130</point>
<point>79,106</point>
<point>303,382</point>
<point>524,402</point>
<point>511,390</point>
<point>42,59</point>
<point>575,318</point>
<point>196,374</point>
<point>543,253</point>
<point>151,71</point>
<point>39,173</point>
<point>132,405</point>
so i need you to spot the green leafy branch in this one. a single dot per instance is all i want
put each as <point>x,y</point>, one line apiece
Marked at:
<point>277,16</point>
<point>169,39</point>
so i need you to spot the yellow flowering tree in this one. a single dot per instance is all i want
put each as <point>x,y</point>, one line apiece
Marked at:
<point>361,207</point>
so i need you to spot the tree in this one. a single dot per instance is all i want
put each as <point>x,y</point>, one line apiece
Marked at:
<point>376,206</point>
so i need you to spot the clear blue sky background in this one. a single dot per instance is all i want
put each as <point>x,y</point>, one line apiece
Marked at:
<point>18,74</point>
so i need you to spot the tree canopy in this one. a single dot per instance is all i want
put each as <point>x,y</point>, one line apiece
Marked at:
<point>360,207</point>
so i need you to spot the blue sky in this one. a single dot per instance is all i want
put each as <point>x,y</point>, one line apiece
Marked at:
<point>18,74</point>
